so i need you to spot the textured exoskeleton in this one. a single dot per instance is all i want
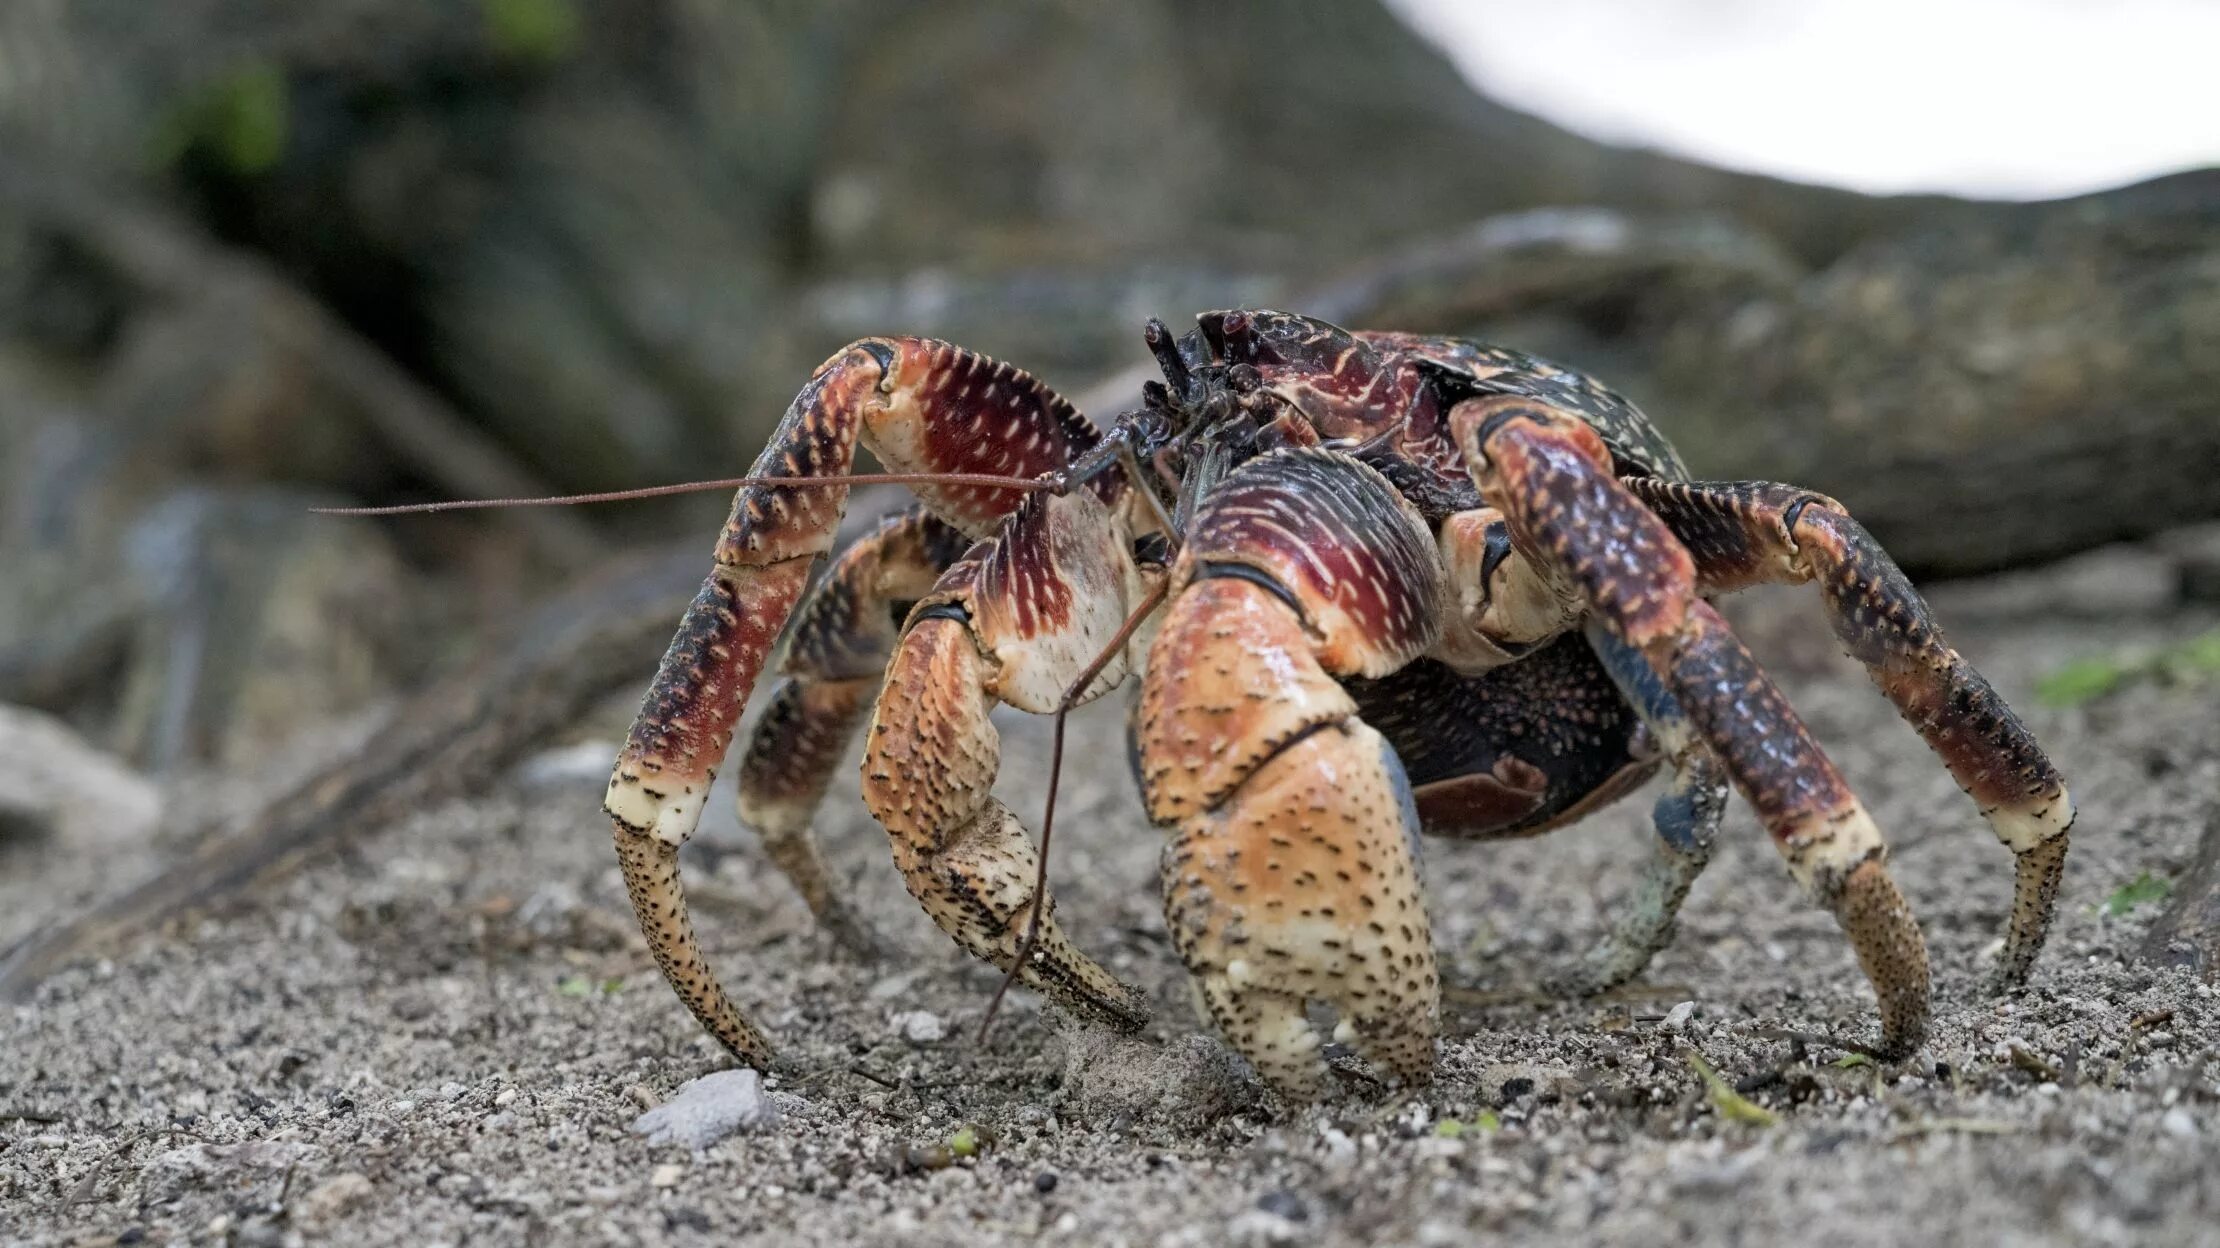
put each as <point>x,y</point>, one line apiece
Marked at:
<point>1395,585</point>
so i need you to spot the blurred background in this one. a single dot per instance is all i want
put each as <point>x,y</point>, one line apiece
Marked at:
<point>1956,264</point>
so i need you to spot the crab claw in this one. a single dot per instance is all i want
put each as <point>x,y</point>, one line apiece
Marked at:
<point>1291,875</point>
<point>1304,887</point>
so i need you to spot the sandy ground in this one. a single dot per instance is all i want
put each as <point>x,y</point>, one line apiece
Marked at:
<point>444,1035</point>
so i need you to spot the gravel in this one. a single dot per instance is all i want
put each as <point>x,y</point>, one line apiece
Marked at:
<point>446,1033</point>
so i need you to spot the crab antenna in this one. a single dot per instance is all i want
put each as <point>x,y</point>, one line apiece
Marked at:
<point>1072,693</point>
<point>1166,350</point>
<point>1027,484</point>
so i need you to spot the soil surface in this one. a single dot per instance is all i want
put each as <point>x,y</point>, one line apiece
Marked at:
<point>443,1035</point>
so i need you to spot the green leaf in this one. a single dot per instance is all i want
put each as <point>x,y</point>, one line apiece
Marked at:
<point>539,31</point>
<point>2191,661</point>
<point>965,1143</point>
<point>575,986</point>
<point>2081,680</point>
<point>2143,888</point>
<point>2198,656</point>
<point>1730,1104</point>
<point>1849,1060</point>
<point>240,117</point>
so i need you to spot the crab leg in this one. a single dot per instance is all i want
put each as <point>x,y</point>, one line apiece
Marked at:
<point>1291,874</point>
<point>1500,611</point>
<point>921,406</point>
<point>843,633</point>
<point>1550,475</point>
<point>1017,622</point>
<point>1686,817</point>
<point>1742,533</point>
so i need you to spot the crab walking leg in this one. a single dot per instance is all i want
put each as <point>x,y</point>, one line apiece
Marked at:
<point>1550,475</point>
<point>1686,818</point>
<point>1742,533</point>
<point>1502,606</point>
<point>1291,874</point>
<point>921,406</point>
<point>843,634</point>
<point>1015,623</point>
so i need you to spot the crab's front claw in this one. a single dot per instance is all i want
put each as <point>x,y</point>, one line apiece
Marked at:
<point>1291,875</point>
<point>1013,624</point>
<point>1303,887</point>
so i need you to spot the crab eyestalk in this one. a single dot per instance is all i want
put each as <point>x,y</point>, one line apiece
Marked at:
<point>1165,348</point>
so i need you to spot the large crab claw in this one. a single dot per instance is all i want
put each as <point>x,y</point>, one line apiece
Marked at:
<point>1291,876</point>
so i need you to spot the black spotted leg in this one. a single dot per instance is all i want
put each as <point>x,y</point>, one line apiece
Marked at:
<point>1015,623</point>
<point>1551,477</point>
<point>921,406</point>
<point>836,651</point>
<point>1741,533</point>
<point>1291,872</point>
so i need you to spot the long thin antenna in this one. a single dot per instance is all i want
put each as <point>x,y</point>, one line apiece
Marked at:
<point>1075,691</point>
<point>979,479</point>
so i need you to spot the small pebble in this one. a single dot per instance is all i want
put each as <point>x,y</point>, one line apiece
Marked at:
<point>667,1175</point>
<point>1341,1151</point>
<point>1281,1203</point>
<point>1677,1018</point>
<point>919,1026</point>
<point>330,1200</point>
<point>2178,1124</point>
<point>1044,1182</point>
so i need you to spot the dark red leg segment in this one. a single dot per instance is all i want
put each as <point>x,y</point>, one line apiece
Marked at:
<point>1550,475</point>
<point>921,406</point>
<point>1741,533</point>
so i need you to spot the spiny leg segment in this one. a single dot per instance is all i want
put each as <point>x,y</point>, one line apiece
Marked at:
<point>921,406</point>
<point>1742,533</point>
<point>1551,476</point>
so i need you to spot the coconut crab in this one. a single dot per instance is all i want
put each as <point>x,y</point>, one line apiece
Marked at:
<point>1377,584</point>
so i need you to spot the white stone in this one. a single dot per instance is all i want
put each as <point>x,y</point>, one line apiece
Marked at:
<point>708,1109</point>
<point>919,1026</point>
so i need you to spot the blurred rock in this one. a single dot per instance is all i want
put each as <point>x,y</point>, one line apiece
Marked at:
<point>230,619</point>
<point>52,784</point>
